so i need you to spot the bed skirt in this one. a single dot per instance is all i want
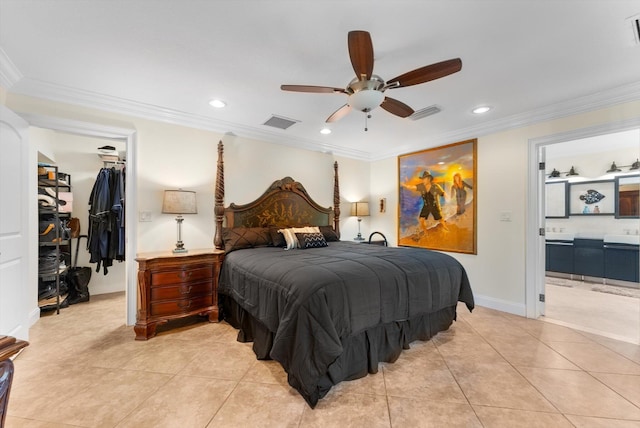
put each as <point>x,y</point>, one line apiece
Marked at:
<point>361,352</point>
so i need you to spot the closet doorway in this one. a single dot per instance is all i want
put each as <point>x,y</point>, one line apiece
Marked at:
<point>82,157</point>
<point>591,303</point>
<point>126,137</point>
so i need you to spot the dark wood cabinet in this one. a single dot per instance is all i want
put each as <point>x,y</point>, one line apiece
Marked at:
<point>176,285</point>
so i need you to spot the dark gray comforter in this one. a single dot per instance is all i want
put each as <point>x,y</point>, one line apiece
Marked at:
<point>312,300</point>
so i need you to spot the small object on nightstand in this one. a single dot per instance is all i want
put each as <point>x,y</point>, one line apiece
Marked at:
<point>172,286</point>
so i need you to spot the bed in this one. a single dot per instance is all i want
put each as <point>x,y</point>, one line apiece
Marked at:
<point>326,310</point>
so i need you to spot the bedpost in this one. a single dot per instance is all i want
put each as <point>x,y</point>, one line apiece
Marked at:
<point>219,199</point>
<point>336,200</point>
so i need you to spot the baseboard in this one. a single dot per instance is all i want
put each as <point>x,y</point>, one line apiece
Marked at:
<point>34,316</point>
<point>501,305</point>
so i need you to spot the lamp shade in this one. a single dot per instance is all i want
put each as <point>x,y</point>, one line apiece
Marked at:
<point>360,209</point>
<point>179,202</point>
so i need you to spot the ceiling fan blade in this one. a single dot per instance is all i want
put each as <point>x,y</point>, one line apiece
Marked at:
<point>314,89</point>
<point>339,114</point>
<point>396,107</point>
<point>426,73</point>
<point>361,53</point>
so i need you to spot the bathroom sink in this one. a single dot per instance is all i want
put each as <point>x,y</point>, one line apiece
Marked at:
<point>559,236</point>
<point>622,239</point>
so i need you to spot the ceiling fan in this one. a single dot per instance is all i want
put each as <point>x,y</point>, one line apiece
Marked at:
<point>366,90</point>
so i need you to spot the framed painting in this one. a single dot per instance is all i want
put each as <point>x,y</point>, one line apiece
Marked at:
<point>437,198</point>
<point>592,198</point>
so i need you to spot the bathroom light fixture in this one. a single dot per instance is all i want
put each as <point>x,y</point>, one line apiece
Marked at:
<point>633,167</point>
<point>217,103</point>
<point>614,168</point>
<point>481,109</point>
<point>555,173</point>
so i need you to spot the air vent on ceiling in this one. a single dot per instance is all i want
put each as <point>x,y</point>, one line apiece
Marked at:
<point>428,111</point>
<point>280,122</point>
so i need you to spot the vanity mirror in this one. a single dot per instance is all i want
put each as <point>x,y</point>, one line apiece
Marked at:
<point>627,196</point>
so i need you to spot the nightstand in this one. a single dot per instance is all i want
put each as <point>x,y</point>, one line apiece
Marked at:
<point>176,285</point>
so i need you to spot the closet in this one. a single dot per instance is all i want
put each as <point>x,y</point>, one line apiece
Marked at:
<point>79,156</point>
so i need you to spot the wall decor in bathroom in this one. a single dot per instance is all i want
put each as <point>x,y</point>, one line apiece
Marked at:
<point>592,197</point>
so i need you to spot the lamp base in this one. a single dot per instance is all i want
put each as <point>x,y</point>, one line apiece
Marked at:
<point>180,250</point>
<point>358,238</point>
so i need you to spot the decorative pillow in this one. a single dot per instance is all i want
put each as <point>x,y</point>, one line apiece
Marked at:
<point>237,238</point>
<point>311,240</point>
<point>330,235</point>
<point>291,238</point>
<point>277,238</point>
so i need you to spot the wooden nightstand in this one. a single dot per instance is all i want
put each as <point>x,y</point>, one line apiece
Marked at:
<point>176,285</point>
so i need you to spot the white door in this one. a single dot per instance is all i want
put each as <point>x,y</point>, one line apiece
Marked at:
<point>14,150</point>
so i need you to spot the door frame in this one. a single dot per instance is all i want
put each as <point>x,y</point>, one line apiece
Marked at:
<point>534,246</point>
<point>129,136</point>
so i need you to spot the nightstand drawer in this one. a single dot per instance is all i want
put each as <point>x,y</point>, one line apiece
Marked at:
<point>180,306</point>
<point>181,291</point>
<point>181,276</point>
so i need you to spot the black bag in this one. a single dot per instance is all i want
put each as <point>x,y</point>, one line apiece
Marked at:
<point>78,279</point>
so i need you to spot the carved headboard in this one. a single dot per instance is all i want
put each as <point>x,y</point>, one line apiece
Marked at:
<point>285,203</point>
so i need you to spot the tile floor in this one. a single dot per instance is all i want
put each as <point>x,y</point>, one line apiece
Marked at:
<point>491,369</point>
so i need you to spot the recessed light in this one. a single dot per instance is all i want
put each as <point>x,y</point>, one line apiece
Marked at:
<point>325,131</point>
<point>217,103</point>
<point>481,109</point>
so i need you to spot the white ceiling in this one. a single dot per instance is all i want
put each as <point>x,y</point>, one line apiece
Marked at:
<point>530,60</point>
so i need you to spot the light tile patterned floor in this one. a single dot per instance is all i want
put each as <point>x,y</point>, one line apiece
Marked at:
<point>491,369</point>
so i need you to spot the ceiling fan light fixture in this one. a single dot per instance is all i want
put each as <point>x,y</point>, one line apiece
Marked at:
<point>366,100</point>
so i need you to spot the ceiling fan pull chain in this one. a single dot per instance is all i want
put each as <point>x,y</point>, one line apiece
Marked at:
<point>366,116</point>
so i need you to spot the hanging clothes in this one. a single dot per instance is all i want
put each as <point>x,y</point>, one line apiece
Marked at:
<point>106,237</point>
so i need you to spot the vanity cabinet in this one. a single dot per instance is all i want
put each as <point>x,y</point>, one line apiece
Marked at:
<point>621,261</point>
<point>588,257</point>
<point>559,256</point>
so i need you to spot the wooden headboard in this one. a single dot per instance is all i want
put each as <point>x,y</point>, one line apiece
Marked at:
<point>285,203</point>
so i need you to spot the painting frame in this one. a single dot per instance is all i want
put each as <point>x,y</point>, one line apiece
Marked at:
<point>426,191</point>
<point>606,205</point>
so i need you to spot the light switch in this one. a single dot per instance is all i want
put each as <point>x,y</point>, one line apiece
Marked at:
<point>145,216</point>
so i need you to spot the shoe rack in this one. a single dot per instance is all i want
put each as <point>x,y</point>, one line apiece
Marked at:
<point>54,240</point>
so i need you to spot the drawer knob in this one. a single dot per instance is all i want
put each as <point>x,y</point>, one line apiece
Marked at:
<point>184,304</point>
<point>185,289</point>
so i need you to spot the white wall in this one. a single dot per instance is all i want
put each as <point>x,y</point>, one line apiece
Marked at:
<point>172,156</point>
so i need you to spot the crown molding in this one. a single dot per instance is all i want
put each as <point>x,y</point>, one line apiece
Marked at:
<point>571,107</point>
<point>70,95</point>
<point>75,96</point>
<point>9,73</point>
